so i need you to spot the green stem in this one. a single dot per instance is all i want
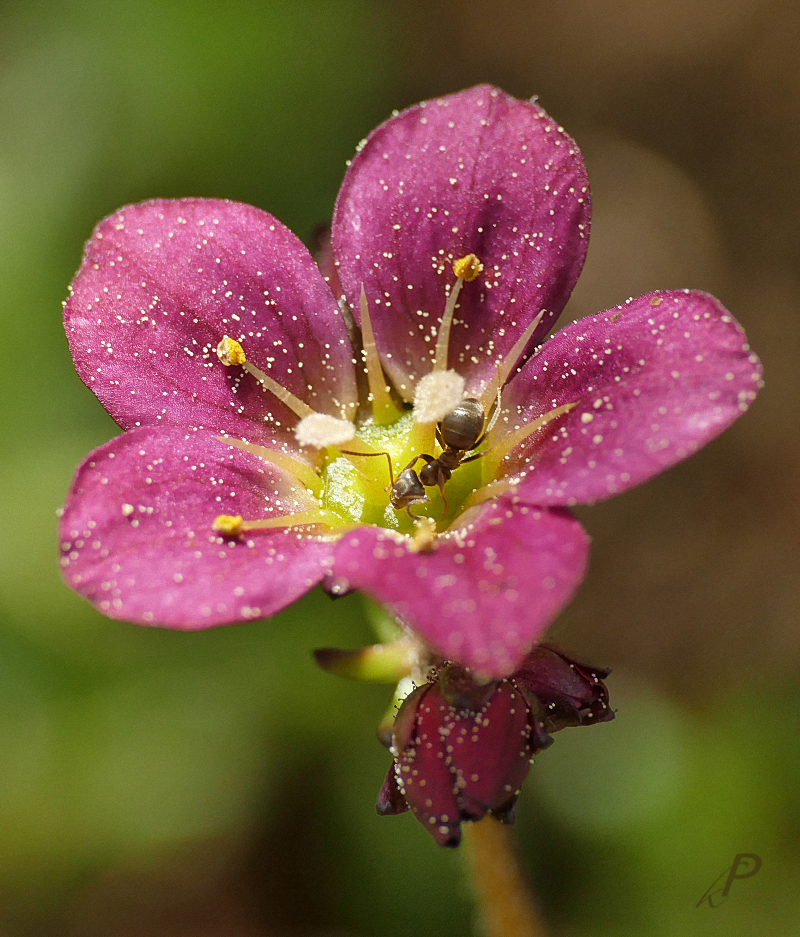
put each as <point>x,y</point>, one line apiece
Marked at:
<point>499,883</point>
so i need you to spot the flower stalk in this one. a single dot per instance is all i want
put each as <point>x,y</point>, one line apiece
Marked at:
<point>504,902</point>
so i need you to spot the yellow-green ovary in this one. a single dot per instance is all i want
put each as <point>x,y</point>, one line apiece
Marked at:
<point>357,488</point>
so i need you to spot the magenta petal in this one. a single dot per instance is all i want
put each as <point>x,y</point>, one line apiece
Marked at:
<point>491,752</point>
<point>476,172</point>
<point>489,589</point>
<point>424,773</point>
<point>163,281</point>
<point>137,536</point>
<point>654,379</point>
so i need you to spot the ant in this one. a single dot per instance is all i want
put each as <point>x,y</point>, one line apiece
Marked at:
<point>406,489</point>
<point>461,431</point>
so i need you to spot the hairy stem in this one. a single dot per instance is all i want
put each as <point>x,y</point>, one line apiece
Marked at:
<point>498,882</point>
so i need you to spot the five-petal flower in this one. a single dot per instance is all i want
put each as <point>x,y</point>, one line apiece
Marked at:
<point>207,331</point>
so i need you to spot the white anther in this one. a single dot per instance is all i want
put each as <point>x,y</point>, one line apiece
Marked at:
<point>436,395</point>
<point>321,430</point>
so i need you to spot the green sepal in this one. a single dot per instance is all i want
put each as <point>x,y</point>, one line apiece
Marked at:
<point>384,626</point>
<point>376,663</point>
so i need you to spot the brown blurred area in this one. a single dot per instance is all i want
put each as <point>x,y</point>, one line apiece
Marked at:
<point>688,115</point>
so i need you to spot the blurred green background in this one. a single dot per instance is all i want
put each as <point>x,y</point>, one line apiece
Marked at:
<point>217,784</point>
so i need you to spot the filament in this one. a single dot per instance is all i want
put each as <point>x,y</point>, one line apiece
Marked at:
<point>383,408</point>
<point>230,526</point>
<point>443,338</point>
<point>509,362</point>
<point>303,472</point>
<point>497,453</point>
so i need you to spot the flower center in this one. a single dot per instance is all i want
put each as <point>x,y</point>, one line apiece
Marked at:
<point>358,488</point>
<point>429,459</point>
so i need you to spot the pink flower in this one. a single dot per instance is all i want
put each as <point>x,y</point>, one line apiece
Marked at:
<point>244,476</point>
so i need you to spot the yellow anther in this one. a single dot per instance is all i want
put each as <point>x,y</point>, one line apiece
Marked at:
<point>230,352</point>
<point>467,267</point>
<point>228,525</point>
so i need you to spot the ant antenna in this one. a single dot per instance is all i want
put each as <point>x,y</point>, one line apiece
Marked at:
<point>369,454</point>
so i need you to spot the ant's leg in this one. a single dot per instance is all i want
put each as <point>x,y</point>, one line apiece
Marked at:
<point>370,454</point>
<point>439,437</point>
<point>472,458</point>
<point>411,464</point>
<point>441,480</point>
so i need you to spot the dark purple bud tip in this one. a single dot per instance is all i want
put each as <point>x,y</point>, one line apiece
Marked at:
<point>390,799</point>
<point>571,693</point>
<point>462,749</point>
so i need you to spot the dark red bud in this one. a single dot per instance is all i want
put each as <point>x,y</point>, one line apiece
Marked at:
<point>571,693</point>
<point>462,750</point>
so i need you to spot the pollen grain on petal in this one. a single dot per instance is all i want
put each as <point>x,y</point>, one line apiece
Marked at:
<point>468,268</point>
<point>230,352</point>
<point>321,430</point>
<point>436,395</point>
<point>228,525</point>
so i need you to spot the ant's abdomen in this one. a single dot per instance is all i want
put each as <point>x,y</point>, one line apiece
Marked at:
<point>462,427</point>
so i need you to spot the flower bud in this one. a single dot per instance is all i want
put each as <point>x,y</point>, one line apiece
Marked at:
<point>572,694</point>
<point>462,749</point>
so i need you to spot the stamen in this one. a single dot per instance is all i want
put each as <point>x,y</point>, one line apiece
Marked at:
<point>468,267</point>
<point>321,430</point>
<point>504,368</point>
<point>304,473</point>
<point>443,338</point>
<point>230,352</point>
<point>466,270</point>
<point>498,452</point>
<point>436,395</point>
<point>228,524</point>
<point>492,490</point>
<point>231,526</point>
<point>424,538</point>
<point>383,409</point>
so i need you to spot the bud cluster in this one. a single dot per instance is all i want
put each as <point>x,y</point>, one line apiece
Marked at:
<point>462,750</point>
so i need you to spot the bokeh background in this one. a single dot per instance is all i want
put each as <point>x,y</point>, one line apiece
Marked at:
<point>155,784</point>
